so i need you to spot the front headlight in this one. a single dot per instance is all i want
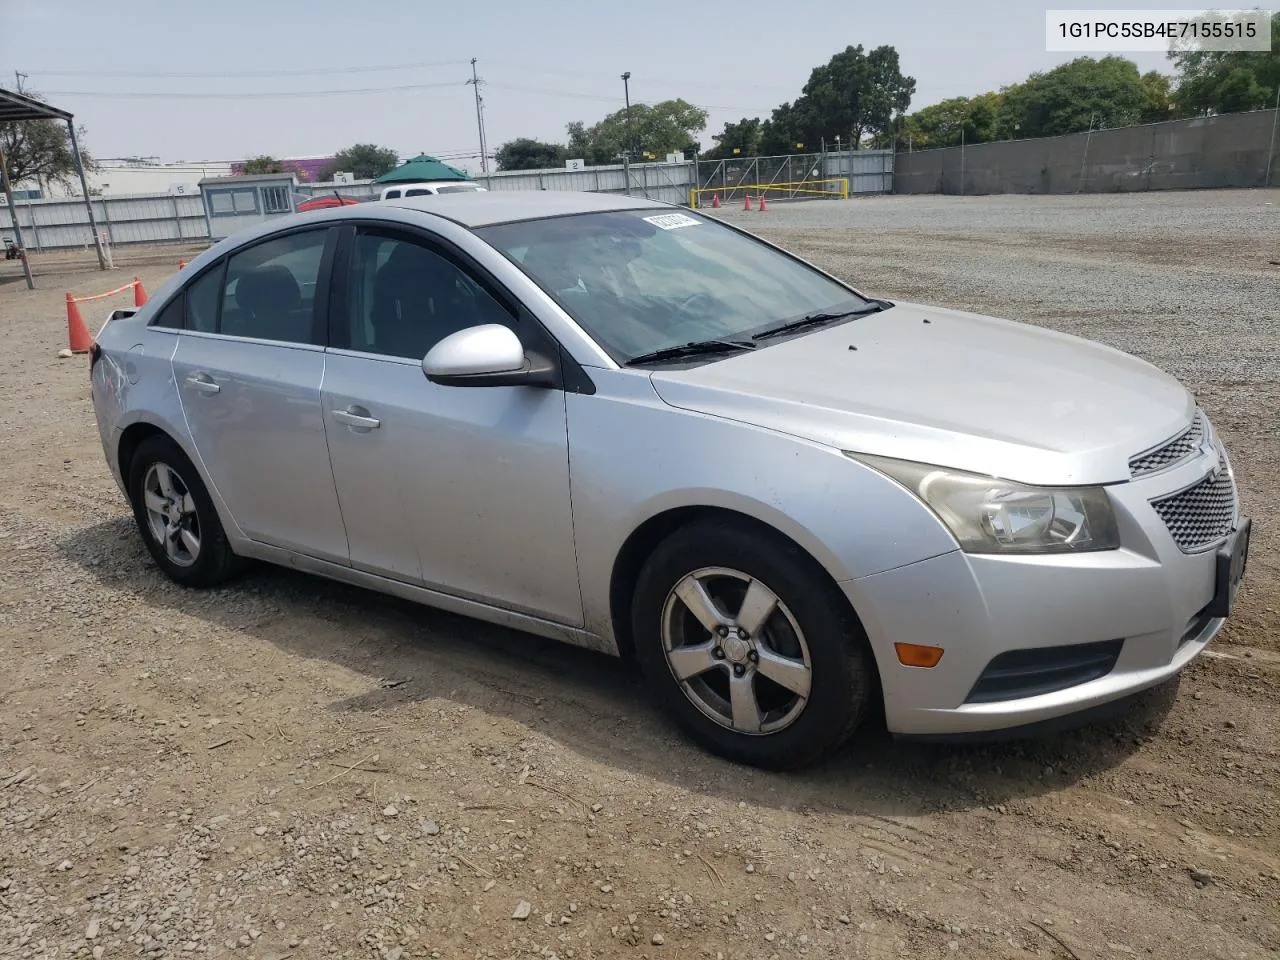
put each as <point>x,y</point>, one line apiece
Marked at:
<point>987,515</point>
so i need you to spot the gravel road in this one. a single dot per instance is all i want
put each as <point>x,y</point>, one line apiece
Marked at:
<point>288,768</point>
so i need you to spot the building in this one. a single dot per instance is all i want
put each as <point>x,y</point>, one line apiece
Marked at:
<point>234,203</point>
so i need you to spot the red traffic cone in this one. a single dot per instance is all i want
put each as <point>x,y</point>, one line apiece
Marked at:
<point>78,338</point>
<point>715,200</point>
<point>139,293</point>
<point>762,201</point>
<point>746,205</point>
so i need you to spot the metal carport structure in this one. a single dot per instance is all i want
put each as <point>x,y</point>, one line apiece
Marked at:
<point>15,108</point>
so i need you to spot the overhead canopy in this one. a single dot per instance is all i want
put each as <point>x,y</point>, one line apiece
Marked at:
<point>422,168</point>
<point>14,108</point>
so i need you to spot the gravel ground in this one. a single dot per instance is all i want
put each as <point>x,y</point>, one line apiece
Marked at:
<point>287,768</point>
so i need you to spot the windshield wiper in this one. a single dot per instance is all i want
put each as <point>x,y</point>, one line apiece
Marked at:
<point>691,350</point>
<point>815,319</point>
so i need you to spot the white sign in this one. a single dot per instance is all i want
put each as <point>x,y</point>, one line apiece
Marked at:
<point>344,176</point>
<point>1156,31</point>
<point>675,158</point>
<point>672,221</point>
<point>575,164</point>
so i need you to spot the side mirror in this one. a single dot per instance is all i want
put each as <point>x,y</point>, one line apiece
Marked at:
<point>490,355</point>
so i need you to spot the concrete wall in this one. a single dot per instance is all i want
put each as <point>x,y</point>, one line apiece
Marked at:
<point>1225,151</point>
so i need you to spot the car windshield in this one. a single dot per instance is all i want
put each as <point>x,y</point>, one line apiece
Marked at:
<point>640,281</point>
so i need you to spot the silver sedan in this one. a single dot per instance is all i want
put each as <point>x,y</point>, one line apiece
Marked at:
<point>634,428</point>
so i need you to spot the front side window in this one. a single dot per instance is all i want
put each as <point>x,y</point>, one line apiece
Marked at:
<point>644,280</point>
<point>403,298</point>
<point>270,289</point>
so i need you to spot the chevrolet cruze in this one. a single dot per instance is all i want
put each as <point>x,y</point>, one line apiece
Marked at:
<point>639,429</point>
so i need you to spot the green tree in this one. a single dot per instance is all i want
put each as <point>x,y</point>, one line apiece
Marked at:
<point>40,151</point>
<point>364,161</point>
<point>526,154</point>
<point>654,129</point>
<point>1210,82</point>
<point>262,164</point>
<point>1108,92</point>
<point>943,124</point>
<point>1157,88</point>
<point>854,95</point>
<point>741,139</point>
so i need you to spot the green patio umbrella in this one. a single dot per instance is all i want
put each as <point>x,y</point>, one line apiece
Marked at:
<point>422,168</point>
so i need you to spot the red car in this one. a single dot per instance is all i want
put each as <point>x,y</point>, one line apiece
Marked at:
<point>320,203</point>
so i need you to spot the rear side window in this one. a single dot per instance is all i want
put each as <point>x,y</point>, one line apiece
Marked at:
<point>417,193</point>
<point>202,302</point>
<point>392,195</point>
<point>270,289</point>
<point>172,314</point>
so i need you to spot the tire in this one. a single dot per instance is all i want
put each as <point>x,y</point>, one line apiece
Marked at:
<point>212,561</point>
<point>810,618</point>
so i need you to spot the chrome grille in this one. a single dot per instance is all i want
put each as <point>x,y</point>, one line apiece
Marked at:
<point>1166,455</point>
<point>1201,514</point>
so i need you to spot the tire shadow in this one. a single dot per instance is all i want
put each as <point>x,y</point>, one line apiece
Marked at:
<point>595,705</point>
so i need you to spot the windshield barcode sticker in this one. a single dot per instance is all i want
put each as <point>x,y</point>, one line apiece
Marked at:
<point>672,221</point>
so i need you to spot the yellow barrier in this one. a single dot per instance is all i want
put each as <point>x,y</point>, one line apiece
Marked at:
<point>804,187</point>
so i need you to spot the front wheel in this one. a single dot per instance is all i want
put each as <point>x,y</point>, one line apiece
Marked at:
<point>750,647</point>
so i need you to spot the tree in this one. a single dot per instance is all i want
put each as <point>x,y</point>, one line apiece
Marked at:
<point>653,129</point>
<point>40,150</point>
<point>1210,81</point>
<point>976,119</point>
<point>261,164</point>
<point>1157,88</point>
<point>364,161</point>
<point>524,153</point>
<point>741,139</point>
<point>1085,92</point>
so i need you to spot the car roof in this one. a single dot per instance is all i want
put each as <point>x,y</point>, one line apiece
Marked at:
<point>475,209</point>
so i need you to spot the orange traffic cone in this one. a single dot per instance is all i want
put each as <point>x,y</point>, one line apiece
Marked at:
<point>139,293</point>
<point>747,203</point>
<point>181,264</point>
<point>762,201</point>
<point>78,338</point>
<point>715,200</point>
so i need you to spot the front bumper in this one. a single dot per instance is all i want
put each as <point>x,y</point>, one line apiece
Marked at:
<point>1145,611</point>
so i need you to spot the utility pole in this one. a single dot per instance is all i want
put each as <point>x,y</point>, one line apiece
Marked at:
<point>484,150</point>
<point>626,92</point>
<point>18,78</point>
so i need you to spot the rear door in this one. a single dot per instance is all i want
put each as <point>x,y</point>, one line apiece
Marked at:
<point>249,364</point>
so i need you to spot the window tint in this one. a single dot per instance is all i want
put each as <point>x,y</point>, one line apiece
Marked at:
<point>270,289</point>
<point>417,193</point>
<point>172,314</point>
<point>404,298</point>
<point>392,195</point>
<point>202,302</point>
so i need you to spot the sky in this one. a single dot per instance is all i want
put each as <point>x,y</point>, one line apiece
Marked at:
<point>184,81</point>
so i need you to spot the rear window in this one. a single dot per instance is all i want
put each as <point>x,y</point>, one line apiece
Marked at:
<point>458,188</point>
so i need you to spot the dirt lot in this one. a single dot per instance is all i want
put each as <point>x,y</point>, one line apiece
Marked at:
<point>288,768</point>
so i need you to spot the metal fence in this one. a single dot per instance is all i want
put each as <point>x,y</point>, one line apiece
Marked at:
<point>164,218</point>
<point>64,224</point>
<point>868,171</point>
<point>1230,150</point>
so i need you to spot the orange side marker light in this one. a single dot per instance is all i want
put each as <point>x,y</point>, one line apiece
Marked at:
<point>917,655</point>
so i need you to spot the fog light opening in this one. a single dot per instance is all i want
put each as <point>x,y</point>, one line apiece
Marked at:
<point>917,655</point>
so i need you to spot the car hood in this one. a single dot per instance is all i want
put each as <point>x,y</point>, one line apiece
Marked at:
<point>949,388</point>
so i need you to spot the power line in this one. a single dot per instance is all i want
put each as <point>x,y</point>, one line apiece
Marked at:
<point>574,95</point>
<point>256,95</point>
<point>225,75</point>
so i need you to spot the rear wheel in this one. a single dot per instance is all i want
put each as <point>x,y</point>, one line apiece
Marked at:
<point>176,517</point>
<point>750,647</point>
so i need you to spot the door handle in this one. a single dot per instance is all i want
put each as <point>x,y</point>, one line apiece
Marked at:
<point>204,383</point>
<point>357,417</point>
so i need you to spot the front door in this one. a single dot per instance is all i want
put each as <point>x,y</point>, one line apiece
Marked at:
<point>248,367</point>
<point>464,489</point>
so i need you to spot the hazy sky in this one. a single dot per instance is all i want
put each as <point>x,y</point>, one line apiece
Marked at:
<point>542,65</point>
